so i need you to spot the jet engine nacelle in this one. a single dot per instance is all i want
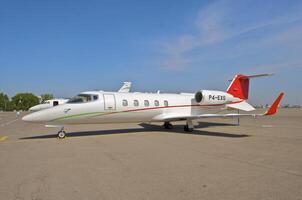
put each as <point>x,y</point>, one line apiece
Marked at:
<point>212,97</point>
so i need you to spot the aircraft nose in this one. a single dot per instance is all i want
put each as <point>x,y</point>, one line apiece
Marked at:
<point>29,118</point>
<point>38,117</point>
<point>43,116</point>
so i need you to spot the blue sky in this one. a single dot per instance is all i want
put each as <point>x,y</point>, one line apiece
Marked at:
<point>65,47</point>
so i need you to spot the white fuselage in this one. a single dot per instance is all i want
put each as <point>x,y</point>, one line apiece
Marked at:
<point>116,107</point>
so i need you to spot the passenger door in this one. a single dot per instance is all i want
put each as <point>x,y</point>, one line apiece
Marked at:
<point>109,102</point>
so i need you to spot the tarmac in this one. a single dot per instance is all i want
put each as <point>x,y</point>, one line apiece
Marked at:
<point>260,159</point>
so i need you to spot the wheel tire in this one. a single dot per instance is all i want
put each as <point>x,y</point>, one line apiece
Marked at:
<point>61,134</point>
<point>187,129</point>
<point>168,125</point>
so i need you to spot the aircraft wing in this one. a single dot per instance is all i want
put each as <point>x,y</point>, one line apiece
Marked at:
<point>126,87</point>
<point>271,111</point>
<point>242,106</point>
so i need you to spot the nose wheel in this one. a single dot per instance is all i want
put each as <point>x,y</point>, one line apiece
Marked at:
<point>61,134</point>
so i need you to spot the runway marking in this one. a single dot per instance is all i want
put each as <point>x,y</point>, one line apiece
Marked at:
<point>3,138</point>
<point>10,122</point>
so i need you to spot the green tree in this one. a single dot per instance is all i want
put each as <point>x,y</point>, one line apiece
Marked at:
<point>23,101</point>
<point>4,102</point>
<point>45,97</point>
<point>9,106</point>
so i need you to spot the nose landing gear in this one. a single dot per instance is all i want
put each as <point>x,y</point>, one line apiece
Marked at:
<point>61,134</point>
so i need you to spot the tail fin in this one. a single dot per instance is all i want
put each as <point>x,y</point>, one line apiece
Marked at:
<point>126,87</point>
<point>239,86</point>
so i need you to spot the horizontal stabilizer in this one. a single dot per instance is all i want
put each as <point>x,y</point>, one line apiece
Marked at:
<point>242,106</point>
<point>258,75</point>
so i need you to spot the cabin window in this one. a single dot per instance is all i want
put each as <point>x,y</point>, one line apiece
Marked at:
<point>125,102</point>
<point>135,103</point>
<point>146,102</point>
<point>166,103</point>
<point>156,103</point>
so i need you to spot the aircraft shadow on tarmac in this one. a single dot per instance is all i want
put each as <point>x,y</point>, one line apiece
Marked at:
<point>149,128</point>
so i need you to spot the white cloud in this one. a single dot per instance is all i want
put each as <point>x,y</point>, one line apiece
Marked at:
<point>216,24</point>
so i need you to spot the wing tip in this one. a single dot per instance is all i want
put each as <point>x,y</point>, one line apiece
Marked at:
<point>274,107</point>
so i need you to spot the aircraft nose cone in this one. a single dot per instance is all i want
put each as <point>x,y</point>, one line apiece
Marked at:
<point>38,117</point>
<point>28,118</point>
<point>43,116</point>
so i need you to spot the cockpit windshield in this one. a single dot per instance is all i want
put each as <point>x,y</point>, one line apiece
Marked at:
<point>83,98</point>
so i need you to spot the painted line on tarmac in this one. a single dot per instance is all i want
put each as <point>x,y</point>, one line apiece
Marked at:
<point>3,138</point>
<point>10,122</point>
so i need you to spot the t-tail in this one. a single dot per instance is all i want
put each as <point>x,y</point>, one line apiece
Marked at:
<point>239,86</point>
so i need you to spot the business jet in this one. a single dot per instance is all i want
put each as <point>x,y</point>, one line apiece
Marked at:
<point>97,107</point>
<point>55,102</point>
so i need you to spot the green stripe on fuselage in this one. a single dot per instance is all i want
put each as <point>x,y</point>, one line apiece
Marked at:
<point>78,115</point>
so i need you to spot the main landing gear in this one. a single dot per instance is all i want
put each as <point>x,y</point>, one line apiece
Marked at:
<point>189,127</point>
<point>168,125</point>
<point>61,134</point>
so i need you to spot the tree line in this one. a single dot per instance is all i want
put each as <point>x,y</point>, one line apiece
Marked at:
<point>21,101</point>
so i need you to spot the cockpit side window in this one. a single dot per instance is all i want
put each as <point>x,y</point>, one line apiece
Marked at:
<point>95,97</point>
<point>83,98</point>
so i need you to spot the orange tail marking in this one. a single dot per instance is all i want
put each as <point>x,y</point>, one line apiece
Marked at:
<point>239,87</point>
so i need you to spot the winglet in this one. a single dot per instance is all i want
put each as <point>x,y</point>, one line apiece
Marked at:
<point>273,109</point>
